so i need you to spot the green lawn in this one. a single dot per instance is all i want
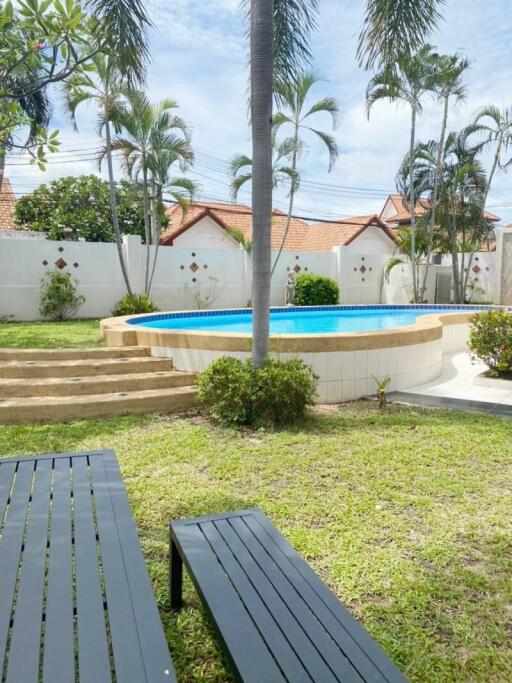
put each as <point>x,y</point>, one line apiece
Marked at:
<point>406,514</point>
<point>43,335</point>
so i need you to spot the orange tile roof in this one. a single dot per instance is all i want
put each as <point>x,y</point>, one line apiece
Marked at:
<point>325,236</point>
<point>7,203</point>
<point>403,215</point>
<point>302,236</point>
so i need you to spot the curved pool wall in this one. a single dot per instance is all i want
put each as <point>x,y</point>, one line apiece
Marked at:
<point>345,362</point>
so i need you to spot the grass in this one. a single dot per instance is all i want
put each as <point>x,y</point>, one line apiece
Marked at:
<point>45,335</point>
<point>405,514</point>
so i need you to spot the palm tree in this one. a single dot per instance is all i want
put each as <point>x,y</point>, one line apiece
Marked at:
<point>447,85</point>
<point>408,80</point>
<point>279,47</point>
<point>294,111</point>
<point>106,89</point>
<point>153,139</point>
<point>461,187</point>
<point>394,30</point>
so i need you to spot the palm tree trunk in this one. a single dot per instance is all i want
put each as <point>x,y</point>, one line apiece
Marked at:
<point>412,209</point>
<point>455,263</point>
<point>147,226</point>
<point>292,197</point>
<point>113,207</point>
<point>437,177</point>
<point>262,35</point>
<point>155,201</point>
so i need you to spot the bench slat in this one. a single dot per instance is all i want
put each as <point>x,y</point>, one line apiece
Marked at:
<point>26,633</point>
<point>10,546</point>
<point>155,652</point>
<point>230,555</point>
<point>93,651</point>
<point>230,618</point>
<point>359,646</point>
<point>275,576</point>
<point>59,656</point>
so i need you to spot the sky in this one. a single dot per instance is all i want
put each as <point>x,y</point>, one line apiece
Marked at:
<point>199,58</point>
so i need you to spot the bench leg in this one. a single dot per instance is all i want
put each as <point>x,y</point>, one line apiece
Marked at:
<point>176,578</point>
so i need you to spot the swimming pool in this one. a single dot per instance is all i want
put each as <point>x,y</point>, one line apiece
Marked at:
<point>347,346</point>
<point>297,320</point>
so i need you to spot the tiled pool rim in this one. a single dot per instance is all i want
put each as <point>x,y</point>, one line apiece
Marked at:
<point>345,362</point>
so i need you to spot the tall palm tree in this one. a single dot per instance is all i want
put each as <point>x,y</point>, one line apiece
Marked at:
<point>279,47</point>
<point>394,30</point>
<point>448,85</point>
<point>104,86</point>
<point>408,80</point>
<point>295,111</point>
<point>153,139</point>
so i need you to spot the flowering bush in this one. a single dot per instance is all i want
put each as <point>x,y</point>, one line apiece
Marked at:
<point>491,340</point>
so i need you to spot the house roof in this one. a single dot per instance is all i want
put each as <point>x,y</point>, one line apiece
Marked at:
<point>403,215</point>
<point>7,203</point>
<point>302,236</point>
<point>324,236</point>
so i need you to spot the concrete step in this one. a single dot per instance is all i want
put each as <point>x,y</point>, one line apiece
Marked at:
<point>94,384</point>
<point>82,368</point>
<point>65,408</point>
<point>74,354</point>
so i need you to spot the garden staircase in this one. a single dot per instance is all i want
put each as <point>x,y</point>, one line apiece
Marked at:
<point>68,384</point>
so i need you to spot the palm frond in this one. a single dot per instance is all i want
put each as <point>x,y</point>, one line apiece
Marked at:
<point>125,23</point>
<point>327,104</point>
<point>395,29</point>
<point>330,143</point>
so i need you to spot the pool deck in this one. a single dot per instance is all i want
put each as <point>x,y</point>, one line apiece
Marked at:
<point>457,387</point>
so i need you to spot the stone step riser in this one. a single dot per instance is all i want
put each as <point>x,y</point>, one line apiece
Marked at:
<point>82,368</point>
<point>107,405</point>
<point>94,385</point>
<point>74,354</point>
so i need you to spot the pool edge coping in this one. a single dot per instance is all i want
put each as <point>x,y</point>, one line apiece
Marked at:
<point>118,331</point>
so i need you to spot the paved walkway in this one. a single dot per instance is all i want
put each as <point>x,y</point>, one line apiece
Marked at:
<point>455,388</point>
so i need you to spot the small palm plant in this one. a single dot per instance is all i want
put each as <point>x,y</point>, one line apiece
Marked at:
<point>382,386</point>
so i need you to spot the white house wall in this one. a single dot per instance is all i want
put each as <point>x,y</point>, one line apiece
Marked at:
<point>205,234</point>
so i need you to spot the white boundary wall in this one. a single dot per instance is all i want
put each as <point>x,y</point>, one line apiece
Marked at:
<point>191,278</point>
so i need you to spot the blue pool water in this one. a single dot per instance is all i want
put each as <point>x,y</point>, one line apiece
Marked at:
<point>329,320</point>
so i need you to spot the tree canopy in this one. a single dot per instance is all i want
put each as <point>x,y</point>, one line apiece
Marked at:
<point>79,208</point>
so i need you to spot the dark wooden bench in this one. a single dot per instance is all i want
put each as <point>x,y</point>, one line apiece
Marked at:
<point>76,602</point>
<point>276,620</point>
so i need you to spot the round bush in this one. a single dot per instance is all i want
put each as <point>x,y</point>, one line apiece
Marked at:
<point>131,304</point>
<point>316,290</point>
<point>490,339</point>
<point>277,393</point>
<point>59,296</point>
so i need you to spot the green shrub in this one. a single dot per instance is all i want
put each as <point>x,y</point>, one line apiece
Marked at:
<point>59,297</point>
<point>316,290</point>
<point>278,393</point>
<point>131,304</point>
<point>490,339</point>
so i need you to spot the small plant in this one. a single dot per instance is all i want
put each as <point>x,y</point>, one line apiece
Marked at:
<point>490,339</point>
<point>277,393</point>
<point>5,319</point>
<point>131,304</point>
<point>316,290</point>
<point>209,296</point>
<point>382,386</point>
<point>59,297</point>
